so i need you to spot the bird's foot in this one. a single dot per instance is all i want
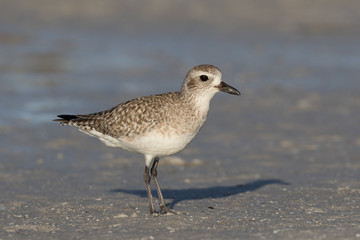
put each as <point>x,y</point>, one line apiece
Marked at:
<point>155,214</point>
<point>165,210</point>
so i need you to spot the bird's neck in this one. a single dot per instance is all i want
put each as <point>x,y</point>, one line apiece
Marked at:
<point>198,101</point>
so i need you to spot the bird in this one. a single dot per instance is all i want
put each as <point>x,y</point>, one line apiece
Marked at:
<point>156,125</point>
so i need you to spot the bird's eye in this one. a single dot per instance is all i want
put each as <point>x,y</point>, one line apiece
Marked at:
<point>204,78</point>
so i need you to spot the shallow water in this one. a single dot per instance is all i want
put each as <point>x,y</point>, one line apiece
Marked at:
<point>47,71</point>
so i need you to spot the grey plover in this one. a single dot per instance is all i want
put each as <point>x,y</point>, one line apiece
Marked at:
<point>156,125</point>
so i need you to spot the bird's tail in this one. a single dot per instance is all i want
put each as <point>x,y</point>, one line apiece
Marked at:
<point>65,119</point>
<point>84,122</point>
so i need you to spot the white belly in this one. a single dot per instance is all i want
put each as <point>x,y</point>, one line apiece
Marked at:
<point>152,143</point>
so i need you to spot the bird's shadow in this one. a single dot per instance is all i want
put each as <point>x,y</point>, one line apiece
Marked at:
<point>178,195</point>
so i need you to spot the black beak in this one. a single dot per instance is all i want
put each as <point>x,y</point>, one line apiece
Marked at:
<point>223,87</point>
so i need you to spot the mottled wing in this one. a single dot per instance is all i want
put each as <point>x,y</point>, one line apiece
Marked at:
<point>131,118</point>
<point>138,116</point>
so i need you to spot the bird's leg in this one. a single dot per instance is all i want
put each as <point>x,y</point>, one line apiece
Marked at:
<point>147,179</point>
<point>163,207</point>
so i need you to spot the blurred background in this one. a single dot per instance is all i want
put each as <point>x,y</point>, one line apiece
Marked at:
<point>58,56</point>
<point>296,63</point>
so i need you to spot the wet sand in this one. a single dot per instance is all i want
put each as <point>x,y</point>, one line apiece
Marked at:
<point>281,161</point>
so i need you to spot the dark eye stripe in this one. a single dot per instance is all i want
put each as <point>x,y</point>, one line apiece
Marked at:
<point>204,78</point>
